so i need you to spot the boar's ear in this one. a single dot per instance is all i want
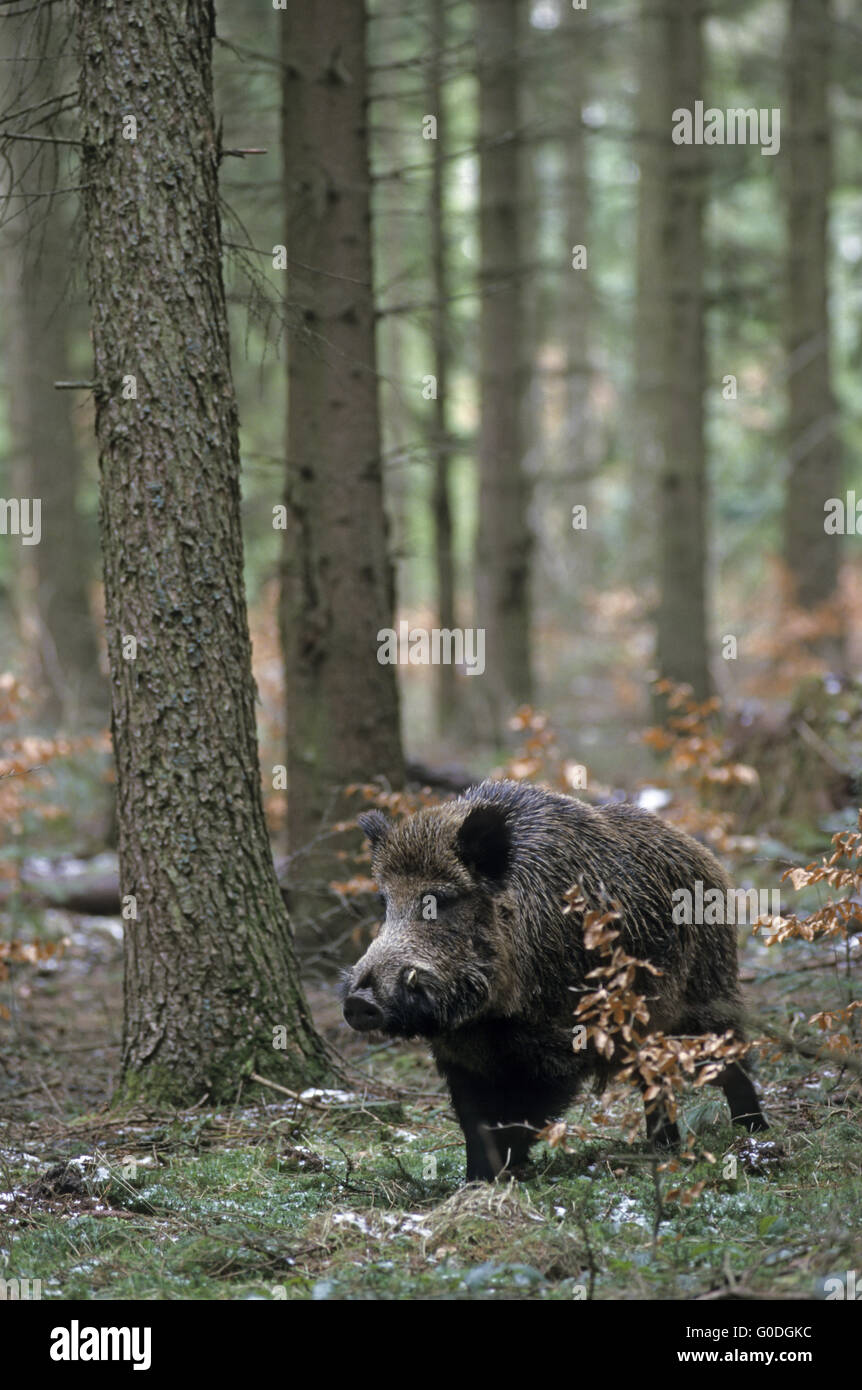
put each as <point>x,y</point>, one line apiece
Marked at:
<point>483,843</point>
<point>375,826</point>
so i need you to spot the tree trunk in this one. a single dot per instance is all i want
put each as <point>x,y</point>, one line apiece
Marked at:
<point>582,445</point>
<point>653,152</point>
<point>682,637</point>
<point>578,307</point>
<point>209,966</point>
<point>503,541</point>
<point>337,593</point>
<point>812,556</point>
<point>441,446</point>
<point>56,622</point>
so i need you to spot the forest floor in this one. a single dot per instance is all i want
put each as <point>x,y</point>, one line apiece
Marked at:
<point>358,1192</point>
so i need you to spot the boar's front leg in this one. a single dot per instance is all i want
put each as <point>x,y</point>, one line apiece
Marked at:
<point>662,1131</point>
<point>500,1121</point>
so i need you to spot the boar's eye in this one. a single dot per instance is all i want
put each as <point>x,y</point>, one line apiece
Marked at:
<point>435,901</point>
<point>446,899</point>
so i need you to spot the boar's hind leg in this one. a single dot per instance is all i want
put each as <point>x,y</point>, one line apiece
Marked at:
<point>741,1097</point>
<point>500,1123</point>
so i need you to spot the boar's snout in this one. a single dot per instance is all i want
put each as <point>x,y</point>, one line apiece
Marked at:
<point>362,1011</point>
<point>393,998</point>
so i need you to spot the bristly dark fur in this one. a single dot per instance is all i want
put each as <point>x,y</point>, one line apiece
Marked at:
<point>478,955</point>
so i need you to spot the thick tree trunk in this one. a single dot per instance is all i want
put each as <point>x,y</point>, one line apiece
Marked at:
<point>503,541</point>
<point>342,704</point>
<point>814,474</point>
<point>441,504</point>
<point>209,966</point>
<point>683,653</point>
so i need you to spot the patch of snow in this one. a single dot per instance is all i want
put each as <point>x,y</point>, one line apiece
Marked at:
<point>331,1097</point>
<point>652,798</point>
<point>24,1159</point>
<point>625,1211</point>
<point>351,1218</point>
<point>412,1223</point>
<point>90,1167</point>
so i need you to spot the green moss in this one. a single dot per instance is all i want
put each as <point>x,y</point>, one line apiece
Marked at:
<point>251,1204</point>
<point>160,1086</point>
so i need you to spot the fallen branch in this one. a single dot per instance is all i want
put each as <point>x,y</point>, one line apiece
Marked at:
<point>93,895</point>
<point>812,1050</point>
<point>294,1095</point>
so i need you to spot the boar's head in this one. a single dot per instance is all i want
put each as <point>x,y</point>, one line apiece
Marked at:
<point>444,955</point>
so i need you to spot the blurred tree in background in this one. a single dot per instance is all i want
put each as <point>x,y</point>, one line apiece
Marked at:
<point>506,357</point>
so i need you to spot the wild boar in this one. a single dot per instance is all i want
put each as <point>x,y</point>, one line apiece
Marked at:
<point>478,955</point>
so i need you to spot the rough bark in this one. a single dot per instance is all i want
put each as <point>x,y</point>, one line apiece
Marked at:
<point>682,636</point>
<point>209,964</point>
<point>814,465</point>
<point>503,541</point>
<point>337,590</point>
<point>441,444</point>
